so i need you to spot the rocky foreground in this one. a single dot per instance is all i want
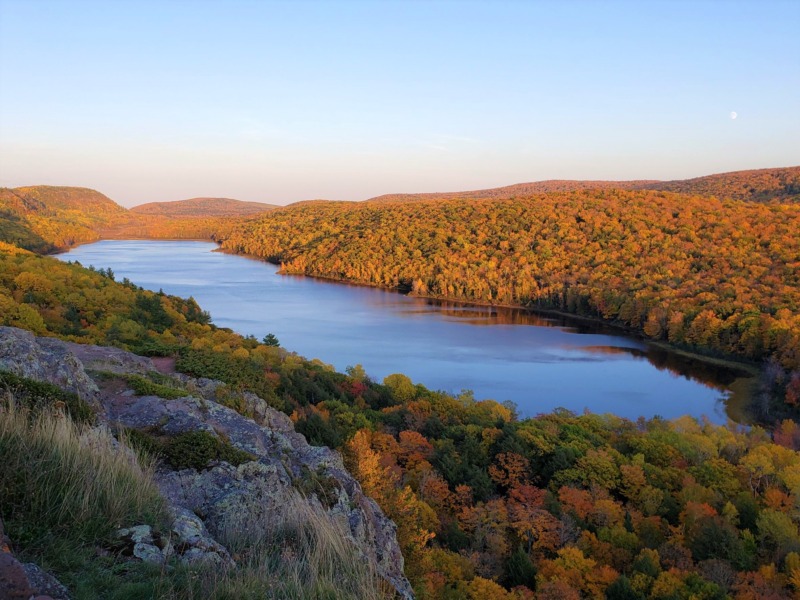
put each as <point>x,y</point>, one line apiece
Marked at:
<point>202,502</point>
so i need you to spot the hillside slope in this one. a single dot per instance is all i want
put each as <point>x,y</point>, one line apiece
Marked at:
<point>48,199</point>
<point>691,270</point>
<point>518,190</point>
<point>231,469</point>
<point>43,218</point>
<point>759,185</point>
<point>49,218</point>
<point>203,207</point>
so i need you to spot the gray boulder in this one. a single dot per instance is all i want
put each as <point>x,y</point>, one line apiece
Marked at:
<point>44,359</point>
<point>204,503</point>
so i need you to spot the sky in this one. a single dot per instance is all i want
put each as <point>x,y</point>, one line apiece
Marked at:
<point>284,101</point>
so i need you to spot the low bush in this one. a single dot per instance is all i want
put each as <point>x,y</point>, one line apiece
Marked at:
<point>144,386</point>
<point>38,395</point>
<point>319,484</point>
<point>190,450</point>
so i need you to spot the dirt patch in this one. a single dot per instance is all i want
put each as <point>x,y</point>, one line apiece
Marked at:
<point>164,364</point>
<point>115,394</point>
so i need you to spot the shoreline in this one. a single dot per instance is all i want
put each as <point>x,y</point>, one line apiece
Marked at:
<point>727,361</point>
<point>127,238</point>
<point>739,392</point>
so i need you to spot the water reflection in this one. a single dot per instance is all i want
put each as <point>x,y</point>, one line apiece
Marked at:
<point>710,373</point>
<point>540,362</point>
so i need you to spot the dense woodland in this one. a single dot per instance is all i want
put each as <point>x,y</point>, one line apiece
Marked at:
<point>209,207</point>
<point>714,275</point>
<point>759,185</point>
<point>46,218</point>
<point>519,190</point>
<point>487,506</point>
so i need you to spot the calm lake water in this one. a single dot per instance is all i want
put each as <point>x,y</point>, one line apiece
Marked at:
<point>503,354</point>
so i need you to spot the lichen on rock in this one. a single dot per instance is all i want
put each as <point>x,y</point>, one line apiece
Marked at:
<point>207,499</point>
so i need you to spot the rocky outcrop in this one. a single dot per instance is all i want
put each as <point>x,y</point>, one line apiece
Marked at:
<point>203,502</point>
<point>25,581</point>
<point>107,358</point>
<point>224,492</point>
<point>261,412</point>
<point>44,359</point>
<point>188,540</point>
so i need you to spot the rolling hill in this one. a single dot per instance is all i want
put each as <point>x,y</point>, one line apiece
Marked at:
<point>43,218</point>
<point>759,185</point>
<point>203,207</point>
<point>717,275</point>
<point>55,200</point>
<point>518,190</point>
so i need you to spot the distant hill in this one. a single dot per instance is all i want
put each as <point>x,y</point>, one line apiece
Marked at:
<point>48,199</point>
<point>43,218</point>
<point>203,207</point>
<point>519,190</point>
<point>48,218</point>
<point>760,185</point>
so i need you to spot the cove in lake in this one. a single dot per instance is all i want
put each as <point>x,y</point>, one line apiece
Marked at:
<point>539,363</point>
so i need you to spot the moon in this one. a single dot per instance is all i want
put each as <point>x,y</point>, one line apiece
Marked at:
<point>733,115</point>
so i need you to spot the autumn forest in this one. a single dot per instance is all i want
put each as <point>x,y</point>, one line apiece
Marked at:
<point>488,505</point>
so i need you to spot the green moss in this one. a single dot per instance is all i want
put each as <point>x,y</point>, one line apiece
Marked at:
<point>37,395</point>
<point>232,399</point>
<point>190,450</point>
<point>234,455</point>
<point>144,386</point>
<point>318,483</point>
<point>143,442</point>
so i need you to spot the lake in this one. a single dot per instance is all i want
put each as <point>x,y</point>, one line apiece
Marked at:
<point>539,363</point>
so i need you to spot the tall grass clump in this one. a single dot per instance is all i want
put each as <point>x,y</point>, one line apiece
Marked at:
<point>65,487</point>
<point>59,479</point>
<point>294,553</point>
<point>36,395</point>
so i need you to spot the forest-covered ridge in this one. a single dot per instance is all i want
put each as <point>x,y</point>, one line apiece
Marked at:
<point>487,506</point>
<point>757,185</point>
<point>714,275</point>
<point>49,218</point>
<point>691,270</point>
<point>516,190</point>
<point>44,218</point>
<point>203,207</point>
<point>43,199</point>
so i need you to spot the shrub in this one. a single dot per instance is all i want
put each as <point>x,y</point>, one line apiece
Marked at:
<point>38,395</point>
<point>147,387</point>
<point>190,450</point>
<point>319,484</point>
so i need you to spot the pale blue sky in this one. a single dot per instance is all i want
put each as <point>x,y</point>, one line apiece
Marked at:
<point>285,101</point>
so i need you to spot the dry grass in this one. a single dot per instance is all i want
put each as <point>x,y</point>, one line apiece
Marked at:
<point>66,487</point>
<point>295,552</point>
<point>61,478</point>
